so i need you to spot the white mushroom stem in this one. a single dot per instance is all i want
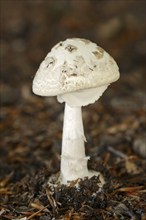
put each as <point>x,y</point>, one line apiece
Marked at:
<point>73,158</point>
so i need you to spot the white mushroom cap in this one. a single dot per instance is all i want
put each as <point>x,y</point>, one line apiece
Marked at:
<point>72,66</point>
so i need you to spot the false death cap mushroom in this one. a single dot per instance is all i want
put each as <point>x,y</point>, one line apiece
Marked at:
<point>77,71</point>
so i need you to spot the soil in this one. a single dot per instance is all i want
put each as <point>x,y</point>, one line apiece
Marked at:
<point>31,126</point>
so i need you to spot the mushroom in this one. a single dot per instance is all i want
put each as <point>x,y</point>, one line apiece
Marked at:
<point>77,71</point>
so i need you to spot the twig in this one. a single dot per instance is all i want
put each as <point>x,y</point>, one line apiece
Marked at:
<point>51,200</point>
<point>117,152</point>
<point>34,214</point>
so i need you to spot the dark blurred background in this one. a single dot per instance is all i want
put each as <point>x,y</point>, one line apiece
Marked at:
<point>29,28</point>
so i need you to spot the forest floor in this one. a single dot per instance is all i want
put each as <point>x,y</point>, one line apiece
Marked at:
<point>31,126</point>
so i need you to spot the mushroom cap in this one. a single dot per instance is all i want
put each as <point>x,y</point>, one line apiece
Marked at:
<point>73,65</point>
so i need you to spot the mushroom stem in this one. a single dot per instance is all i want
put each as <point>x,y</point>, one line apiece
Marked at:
<point>73,158</point>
